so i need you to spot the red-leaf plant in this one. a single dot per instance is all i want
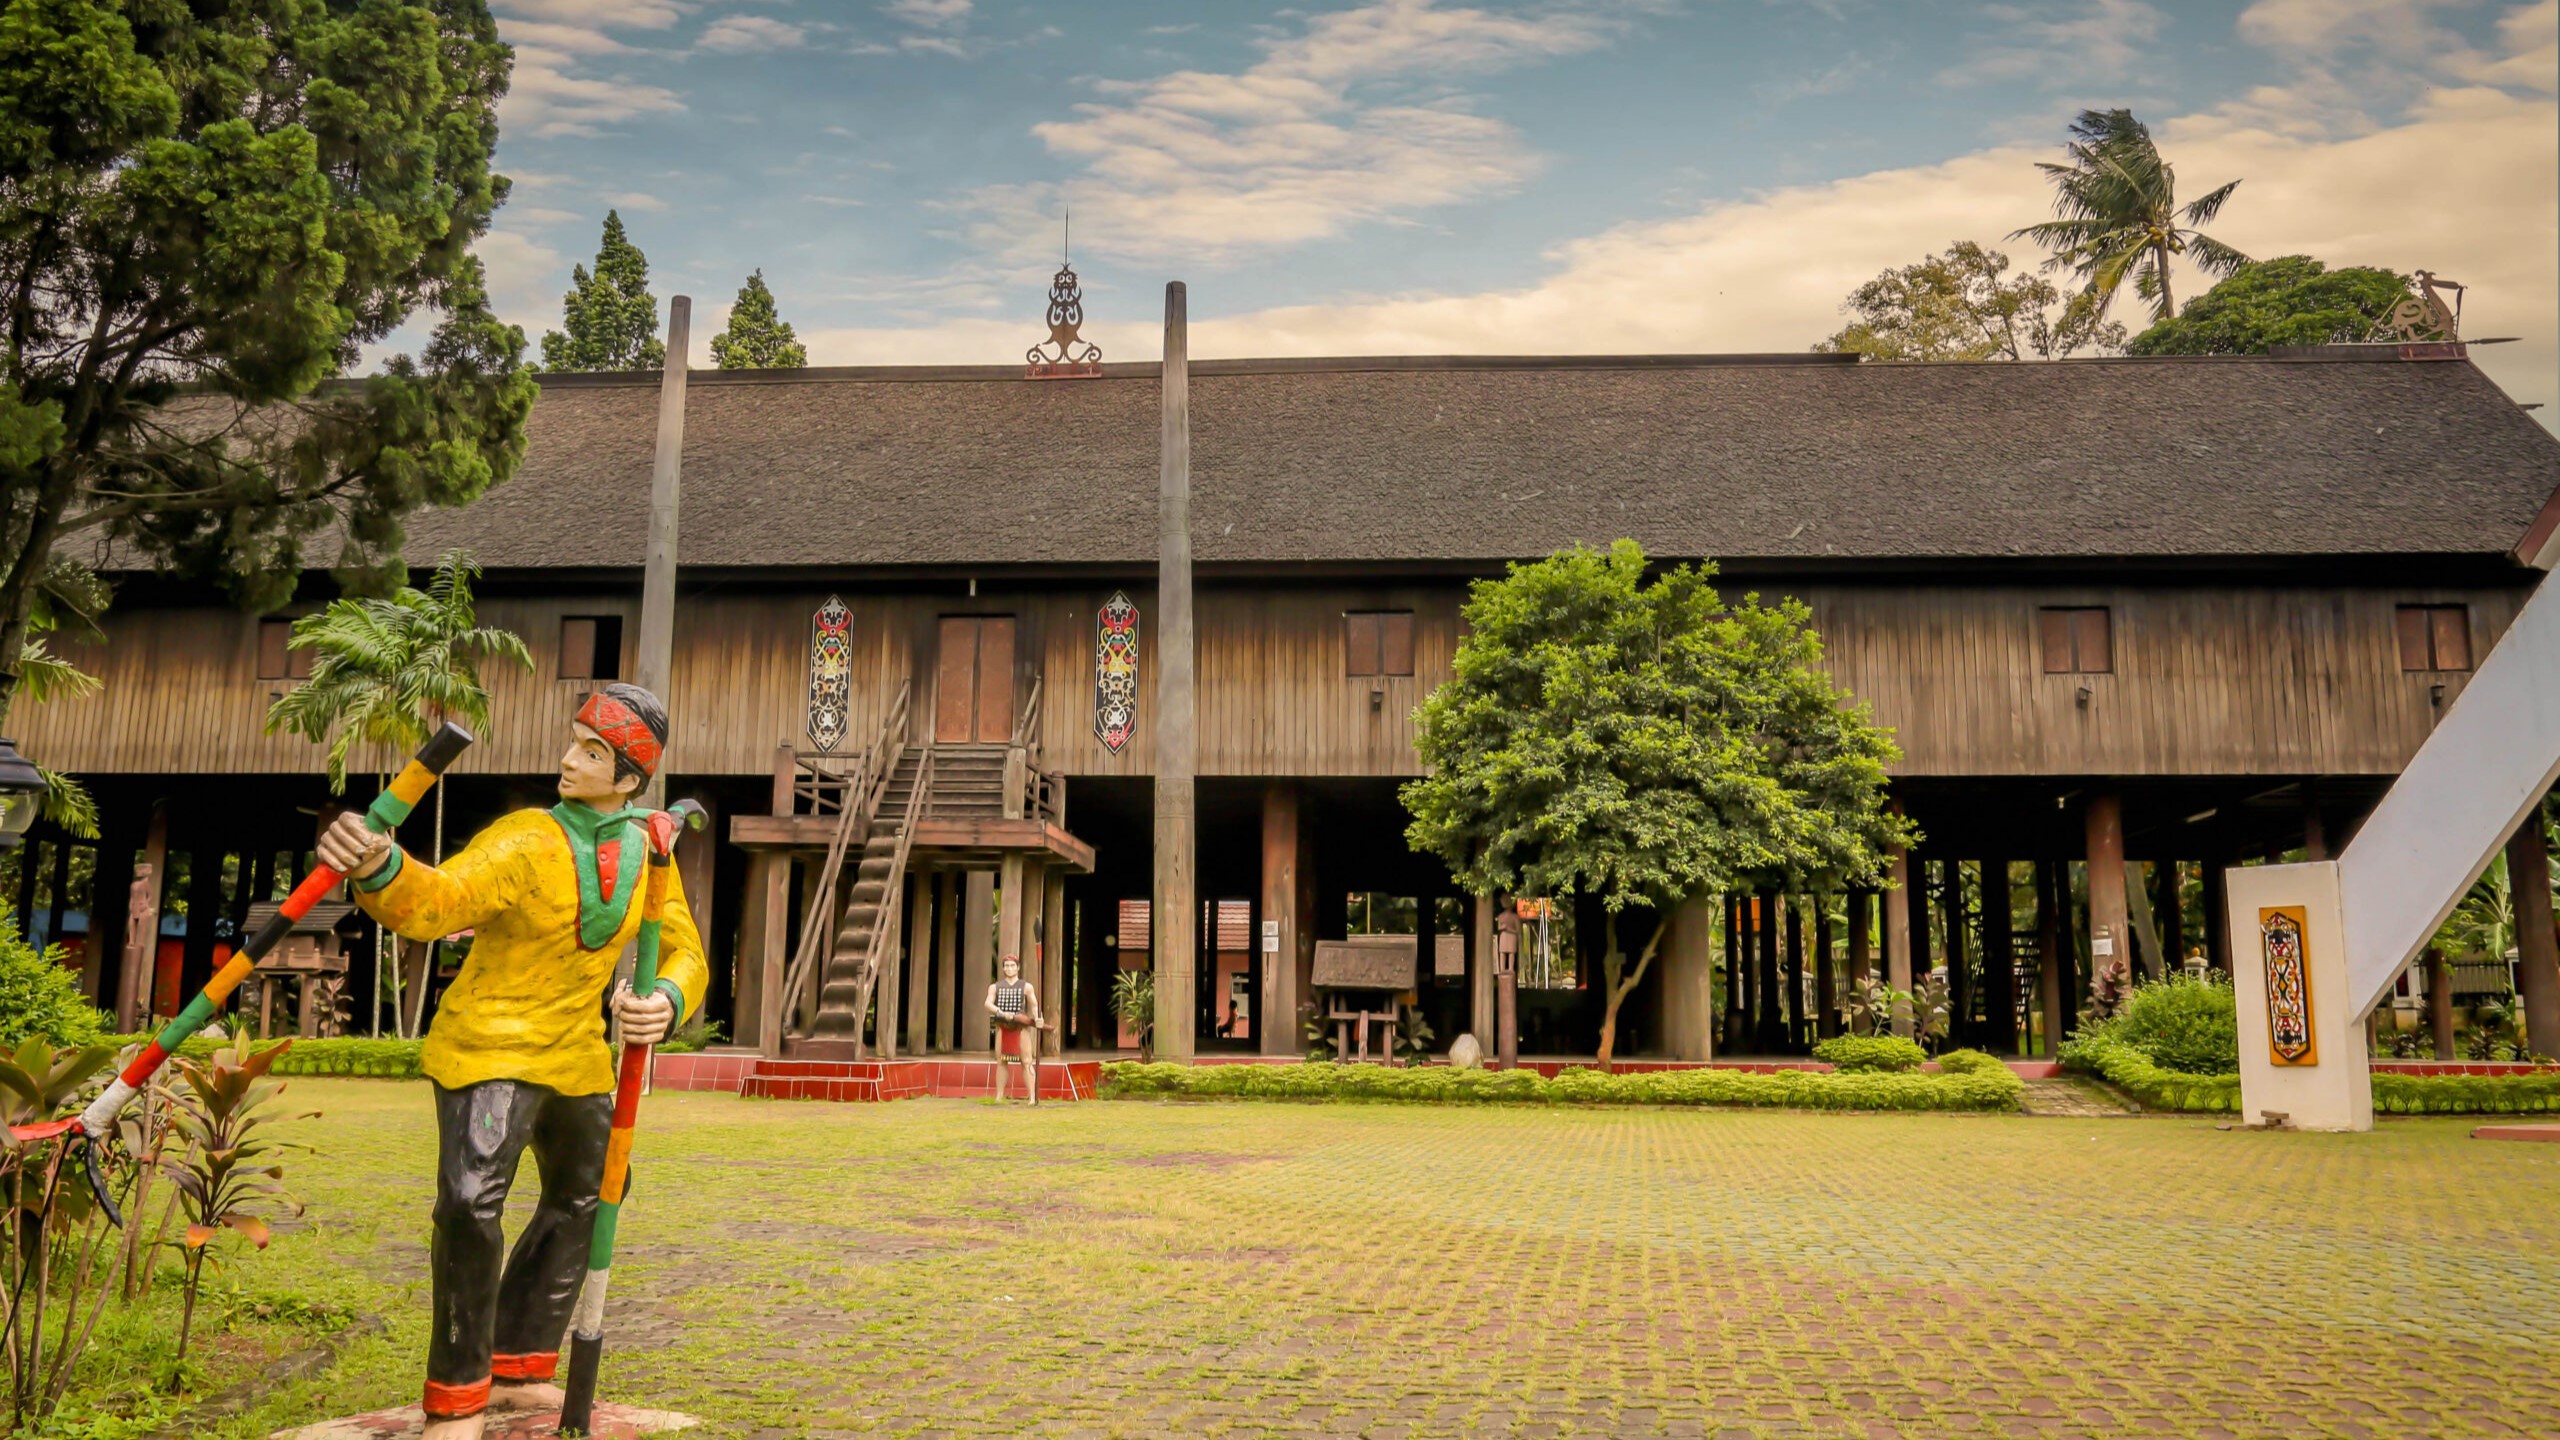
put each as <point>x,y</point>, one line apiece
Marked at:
<point>219,1182</point>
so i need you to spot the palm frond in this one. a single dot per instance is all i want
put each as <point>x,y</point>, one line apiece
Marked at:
<point>47,676</point>
<point>67,803</point>
<point>2203,211</point>
<point>2212,256</point>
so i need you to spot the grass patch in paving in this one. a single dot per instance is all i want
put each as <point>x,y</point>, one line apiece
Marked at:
<point>1143,1269</point>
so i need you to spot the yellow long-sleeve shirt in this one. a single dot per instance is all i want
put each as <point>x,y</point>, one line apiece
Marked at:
<point>528,1004</point>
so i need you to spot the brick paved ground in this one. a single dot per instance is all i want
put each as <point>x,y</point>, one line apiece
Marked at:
<point>950,1268</point>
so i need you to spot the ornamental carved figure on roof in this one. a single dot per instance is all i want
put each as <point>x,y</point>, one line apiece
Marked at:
<point>1076,356</point>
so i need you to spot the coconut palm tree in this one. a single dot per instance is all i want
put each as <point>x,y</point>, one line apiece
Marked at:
<point>386,672</point>
<point>2118,206</point>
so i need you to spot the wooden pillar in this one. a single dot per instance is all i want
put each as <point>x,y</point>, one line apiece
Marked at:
<point>1768,1029</point>
<point>2439,1002</point>
<point>1054,951</point>
<point>1015,905</point>
<point>2051,961</point>
<point>1733,972</point>
<point>1276,947</point>
<point>1687,963</point>
<point>918,962</point>
<point>889,989</point>
<point>1999,961</point>
<point>1960,996</point>
<point>2169,904</point>
<point>2217,917</point>
<point>1862,905</point>
<point>2105,848</point>
<point>204,911</point>
<point>2315,836</point>
<point>1799,1026</point>
<point>1176,914</point>
<point>111,885</point>
<point>1826,995</point>
<point>951,888</point>
<point>57,883</point>
<point>1896,904</point>
<point>977,960</point>
<point>2537,944</point>
<point>23,907</point>
<point>1482,1021</point>
<point>655,667</point>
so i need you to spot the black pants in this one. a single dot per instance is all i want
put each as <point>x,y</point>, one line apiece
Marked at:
<point>482,1131</point>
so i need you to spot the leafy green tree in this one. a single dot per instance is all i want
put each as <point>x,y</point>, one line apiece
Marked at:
<point>1642,740</point>
<point>757,338</point>
<point>611,318</point>
<point>2117,203</point>
<point>205,211</point>
<point>386,672</point>
<point>1964,305</point>
<point>2290,300</point>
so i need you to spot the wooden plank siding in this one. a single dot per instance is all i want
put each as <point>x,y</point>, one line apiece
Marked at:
<point>2206,680</point>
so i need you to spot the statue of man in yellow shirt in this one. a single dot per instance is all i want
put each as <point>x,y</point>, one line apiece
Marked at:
<point>517,1052</point>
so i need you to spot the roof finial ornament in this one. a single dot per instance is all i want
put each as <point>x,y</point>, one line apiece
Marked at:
<point>2423,317</point>
<point>1077,357</point>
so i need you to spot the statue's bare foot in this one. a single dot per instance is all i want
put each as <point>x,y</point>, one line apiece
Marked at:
<point>466,1428</point>
<point>525,1395</point>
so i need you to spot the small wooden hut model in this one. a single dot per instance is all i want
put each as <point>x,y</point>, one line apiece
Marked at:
<point>1365,980</point>
<point>312,959</point>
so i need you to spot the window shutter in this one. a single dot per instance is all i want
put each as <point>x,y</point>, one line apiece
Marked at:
<point>2413,637</point>
<point>2054,637</point>
<point>2092,647</point>
<point>275,662</point>
<point>1360,643</point>
<point>1395,643</point>
<point>578,648</point>
<point>2452,627</point>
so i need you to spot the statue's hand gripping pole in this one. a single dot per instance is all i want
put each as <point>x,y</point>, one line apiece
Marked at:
<point>90,1128</point>
<point>586,1330</point>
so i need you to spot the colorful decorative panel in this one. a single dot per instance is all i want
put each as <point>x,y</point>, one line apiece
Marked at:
<point>2289,1037</point>
<point>1115,672</point>
<point>830,673</point>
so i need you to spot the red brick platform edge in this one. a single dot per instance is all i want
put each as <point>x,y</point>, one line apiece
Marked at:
<point>2549,1133</point>
<point>865,1080</point>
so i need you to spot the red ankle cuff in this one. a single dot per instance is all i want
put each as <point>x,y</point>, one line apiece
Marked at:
<point>456,1402</point>
<point>525,1367</point>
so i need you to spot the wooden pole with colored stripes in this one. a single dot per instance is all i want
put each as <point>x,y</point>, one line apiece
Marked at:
<point>385,814</point>
<point>586,1332</point>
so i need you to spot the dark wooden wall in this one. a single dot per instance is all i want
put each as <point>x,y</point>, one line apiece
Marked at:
<point>2207,680</point>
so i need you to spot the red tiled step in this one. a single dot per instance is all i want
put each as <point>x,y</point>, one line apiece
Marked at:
<point>2550,1133</point>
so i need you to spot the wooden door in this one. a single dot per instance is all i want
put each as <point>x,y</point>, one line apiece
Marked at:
<point>973,681</point>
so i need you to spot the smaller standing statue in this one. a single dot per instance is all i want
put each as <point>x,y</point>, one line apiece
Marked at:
<point>1013,1003</point>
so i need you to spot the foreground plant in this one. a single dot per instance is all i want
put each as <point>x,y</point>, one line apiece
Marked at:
<point>57,1232</point>
<point>221,1103</point>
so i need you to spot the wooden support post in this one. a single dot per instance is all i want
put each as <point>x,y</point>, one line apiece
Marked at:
<point>655,669</point>
<point>977,959</point>
<point>1015,905</point>
<point>2217,917</point>
<point>2105,844</point>
<point>2169,908</point>
<point>2537,944</point>
<point>1896,905</point>
<point>889,991</point>
<point>2439,1002</point>
<point>1798,1027</point>
<point>1483,1019</point>
<point>1826,994</point>
<point>1276,949</point>
<point>1687,965</point>
<point>1054,950</point>
<point>1767,1030</point>
<point>1999,960</point>
<point>1176,912</point>
<point>2051,962</point>
<point>1733,966</point>
<point>56,883</point>
<point>2315,836</point>
<point>1862,920</point>
<point>1960,996</point>
<point>110,892</point>
<point>917,962</point>
<point>951,889</point>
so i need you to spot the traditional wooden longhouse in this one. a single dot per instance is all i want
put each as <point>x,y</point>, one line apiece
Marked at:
<point>2127,617</point>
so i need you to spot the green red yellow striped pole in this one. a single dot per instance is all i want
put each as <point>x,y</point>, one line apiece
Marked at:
<point>385,814</point>
<point>586,1330</point>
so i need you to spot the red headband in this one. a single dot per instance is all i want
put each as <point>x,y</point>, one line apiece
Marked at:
<point>622,728</point>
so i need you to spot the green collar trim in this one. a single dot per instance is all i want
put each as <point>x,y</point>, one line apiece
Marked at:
<point>589,830</point>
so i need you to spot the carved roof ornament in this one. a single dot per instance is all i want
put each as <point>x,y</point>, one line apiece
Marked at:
<point>1077,358</point>
<point>2423,317</point>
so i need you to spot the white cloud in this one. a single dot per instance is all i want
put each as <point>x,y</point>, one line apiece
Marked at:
<point>1349,122</point>
<point>2320,26</point>
<point>931,14</point>
<point>2465,187</point>
<point>526,280</point>
<point>636,200</point>
<point>550,93</point>
<point>750,34</point>
<point>2076,42</point>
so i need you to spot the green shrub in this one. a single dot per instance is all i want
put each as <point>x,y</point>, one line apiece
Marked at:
<point>1996,1089</point>
<point>2132,1070</point>
<point>2186,1023</point>
<point>2527,1092</point>
<point>1970,1062</point>
<point>1870,1053</point>
<point>39,995</point>
<point>344,1055</point>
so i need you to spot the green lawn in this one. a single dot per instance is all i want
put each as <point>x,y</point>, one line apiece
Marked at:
<point>952,1268</point>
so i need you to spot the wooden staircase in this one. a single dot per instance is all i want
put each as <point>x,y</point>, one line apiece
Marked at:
<point>941,781</point>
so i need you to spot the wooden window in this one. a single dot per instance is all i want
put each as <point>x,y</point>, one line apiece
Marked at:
<point>277,660</point>
<point>2076,640</point>
<point>591,647</point>
<point>1377,642</point>
<point>2435,637</point>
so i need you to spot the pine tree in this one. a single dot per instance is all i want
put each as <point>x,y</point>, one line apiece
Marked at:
<point>612,318</point>
<point>757,339</point>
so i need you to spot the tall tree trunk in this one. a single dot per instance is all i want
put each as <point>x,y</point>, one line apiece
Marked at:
<point>1616,989</point>
<point>2168,302</point>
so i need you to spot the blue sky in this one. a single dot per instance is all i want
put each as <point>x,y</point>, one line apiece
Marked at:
<point>1551,176</point>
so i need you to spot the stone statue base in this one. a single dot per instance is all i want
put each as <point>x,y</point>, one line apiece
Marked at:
<point>612,1422</point>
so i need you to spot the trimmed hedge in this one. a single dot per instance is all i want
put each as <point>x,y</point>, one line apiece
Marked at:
<point>343,1055</point>
<point>2130,1070</point>
<point>1879,1053</point>
<point>1996,1089</point>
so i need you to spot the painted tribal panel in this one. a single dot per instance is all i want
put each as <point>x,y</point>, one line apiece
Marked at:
<point>2289,1037</point>
<point>1115,672</point>
<point>830,673</point>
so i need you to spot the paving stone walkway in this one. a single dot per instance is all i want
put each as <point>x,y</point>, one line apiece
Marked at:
<point>2074,1098</point>
<point>947,1268</point>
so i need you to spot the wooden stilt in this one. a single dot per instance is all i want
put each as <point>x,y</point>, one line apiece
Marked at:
<point>977,960</point>
<point>1960,986</point>
<point>1054,951</point>
<point>949,888</point>
<point>1799,1027</point>
<point>1826,996</point>
<point>1895,903</point>
<point>1733,973</point>
<point>1999,961</point>
<point>2169,909</point>
<point>2108,940</point>
<point>2051,960</point>
<point>1862,906</point>
<point>655,657</point>
<point>2537,945</point>
<point>2217,918</point>
<point>918,962</point>
<point>2439,1002</point>
<point>1176,915</point>
<point>1276,948</point>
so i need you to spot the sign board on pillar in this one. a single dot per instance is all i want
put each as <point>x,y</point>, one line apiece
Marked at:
<point>2290,1037</point>
<point>1270,937</point>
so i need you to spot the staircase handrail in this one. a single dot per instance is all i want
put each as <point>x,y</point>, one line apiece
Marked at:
<point>869,782</point>
<point>893,895</point>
